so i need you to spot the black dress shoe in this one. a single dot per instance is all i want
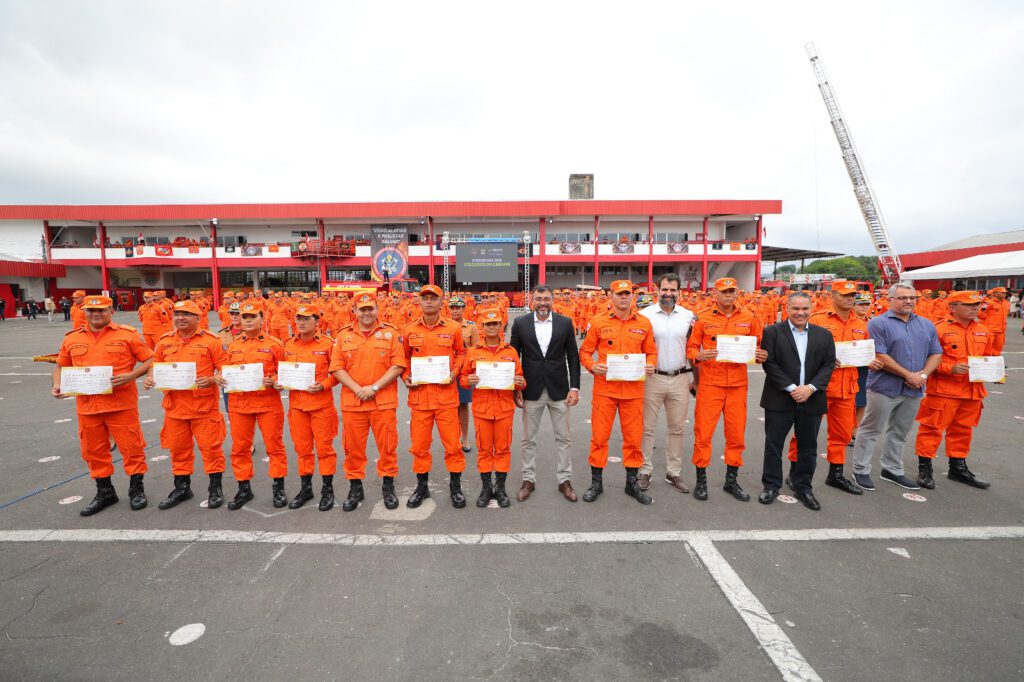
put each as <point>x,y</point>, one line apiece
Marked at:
<point>767,496</point>
<point>809,500</point>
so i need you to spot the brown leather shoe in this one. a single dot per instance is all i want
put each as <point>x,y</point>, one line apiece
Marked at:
<point>567,491</point>
<point>676,483</point>
<point>643,481</point>
<point>524,491</point>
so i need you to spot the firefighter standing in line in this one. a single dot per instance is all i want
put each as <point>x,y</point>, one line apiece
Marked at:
<point>367,359</point>
<point>493,409</point>
<point>246,409</point>
<point>154,318</point>
<point>77,313</point>
<point>192,415</point>
<point>470,339</point>
<point>619,331</point>
<point>993,313</point>
<point>722,388</point>
<point>102,343</point>
<point>435,336</point>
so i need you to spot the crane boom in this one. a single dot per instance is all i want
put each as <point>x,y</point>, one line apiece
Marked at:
<point>888,260</point>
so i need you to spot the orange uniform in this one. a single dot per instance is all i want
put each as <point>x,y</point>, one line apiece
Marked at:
<point>249,408</point>
<point>77,316</point>
<point>435,403</point>
<point>993,315</point>
<point>610,334</point>
<point>311,416</point>
<point>493,409</point>
<point>155,322</point>
<point>193,416</point>
<point>722,388</point>
<point>278,316</point>
<point>366,356</point>
<point>116,414</point>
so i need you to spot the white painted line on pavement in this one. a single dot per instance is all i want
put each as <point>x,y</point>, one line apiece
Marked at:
<point>766,631</point>
<point>567,538</point>
<point>24,374</point>
<point>270,562</point>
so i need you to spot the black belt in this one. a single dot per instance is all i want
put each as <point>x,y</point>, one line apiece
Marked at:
<point>674,373</point>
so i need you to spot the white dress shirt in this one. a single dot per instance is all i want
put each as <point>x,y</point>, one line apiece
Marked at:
<point>800,338</point>
<point>670,333</point>
<point>543,329</point>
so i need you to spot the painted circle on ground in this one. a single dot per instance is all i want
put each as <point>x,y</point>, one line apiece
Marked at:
<point>266,459</point>
<point>204,504</point>
<point>187,634</point>
<point>823,455</point>
<point>492,504</point>
<point>61,421</point>
<point>914,497</point>
<point>51,458</point>
<point>786,499</point>
<point>157,458</point>
<point>147,421</point>
<point>614,459</point>
<point>71,500</point>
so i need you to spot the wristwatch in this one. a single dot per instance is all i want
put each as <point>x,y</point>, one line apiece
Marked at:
<point>924,376</point>
<point>374,389</point>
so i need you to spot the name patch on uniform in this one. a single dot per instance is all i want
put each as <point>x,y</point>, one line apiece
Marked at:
<point>444,336</point>
<point>263,350</point>
<point>743,325</point>
<point>319,352</point>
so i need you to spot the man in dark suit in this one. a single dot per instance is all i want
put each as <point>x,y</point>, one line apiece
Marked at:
<point>801,358</point>
<point>546,343</point>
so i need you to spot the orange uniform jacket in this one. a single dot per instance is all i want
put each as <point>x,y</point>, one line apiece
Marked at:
<point>610,334</point>
<point>444,338</point>
<point>490,403</point>
<point>117,346</point>
<point>154,318</point>
<point>317,351</point>
<point>366,358</point>
<point>77,316</point>
<point>709,324</point>
<point>993,315</point>
<point>844,379</point>
<point>203,348</point>
<point>262,348</point>
<point>959,342</point>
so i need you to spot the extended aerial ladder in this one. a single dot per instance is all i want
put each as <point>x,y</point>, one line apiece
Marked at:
<point>888,260</point>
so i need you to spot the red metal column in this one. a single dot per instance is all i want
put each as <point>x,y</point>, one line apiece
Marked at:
<point>321,231</point>
<point>597,267</point>
<point>757,263</point>
<point>704,259</point>
<point>430,253</point>
<point>216,270</point>
<point>650,249</point>
<point>104,273</point>
<point>542,262</point>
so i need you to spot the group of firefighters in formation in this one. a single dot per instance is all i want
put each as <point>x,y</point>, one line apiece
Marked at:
<point>365,344</point>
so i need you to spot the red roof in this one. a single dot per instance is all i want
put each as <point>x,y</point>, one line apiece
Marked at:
<point>16,268</point>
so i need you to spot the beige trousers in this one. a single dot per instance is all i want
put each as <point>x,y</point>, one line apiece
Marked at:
<point>674,394</point>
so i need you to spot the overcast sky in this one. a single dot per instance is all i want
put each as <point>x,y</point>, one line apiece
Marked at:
<point>145,102</point>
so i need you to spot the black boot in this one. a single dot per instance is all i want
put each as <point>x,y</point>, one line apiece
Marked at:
<point>105,496</point>
<point>327,494</point>
<point>137,493</point>
<point>958,471</point>
<point>836,479</point>
<point>455,489</point>
<point>216,491</point>
<point>243,495</point>
<point>789,476</point>
<point>421,493</point>
<point>633,489</point>
<point>387,491</point>
<point>596,484</point>
<point>925,478</point>
<point>182,491</point>
<point>732,486</point>
<point>700,488</point>
<point>305,492</point>
<point>499,489</point>
<point>280,499</point>
<point>485,491</point>
<point>355,495</point>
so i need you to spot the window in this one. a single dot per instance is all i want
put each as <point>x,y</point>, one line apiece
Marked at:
<point>299,234</point>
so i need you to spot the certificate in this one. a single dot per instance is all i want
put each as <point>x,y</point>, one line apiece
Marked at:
<point>855,353</point>
<point>497,375</point>
<point>174,376</point>
<point>298,376</point>
<point>738,349</point>
<point>987,368</point>
<point>247,377</point>
<point>628,367</point>
<point>430,369</point>
<point>86,380</point>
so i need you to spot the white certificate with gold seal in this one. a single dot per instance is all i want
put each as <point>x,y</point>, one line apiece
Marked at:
<point>242,378</point>
<point>991,368</point>
<point>297,376</point>
<point>626,367</point>
<point>86,380</point>
<point>174,376</point>
<point>855,353</point>
<point>496,375</point>
<point>430,369</point>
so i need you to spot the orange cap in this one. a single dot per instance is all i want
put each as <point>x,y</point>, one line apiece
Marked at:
<point>724,283</point>
<point>187,306</point>
<point>1001,290</point>
<point>432,289</point>
<point>365,301</point>
<point>78,292</point>
<point>620,285</point>
<point>252,308</point>
<point>490,315</point>
<point>308,310</point>
<point>968,297</point>
<point>97,302</point>
<point>844,286</point>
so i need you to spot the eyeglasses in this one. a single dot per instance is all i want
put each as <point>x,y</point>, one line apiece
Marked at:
<point>904,298</point>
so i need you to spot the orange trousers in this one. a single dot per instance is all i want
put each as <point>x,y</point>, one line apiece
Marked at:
<point>998,341</point>
<point>421,431</point>
<point>714,402</point>
<point>243,430</point>
<point>493,443</point>
<point>956,417</point>
<point>842,412</point>
<point>151,339</point>
<point>94,433</point>
<point>631,422</point>
<point>319,427</point>
<point>207,432</point>
<point>357,426</point>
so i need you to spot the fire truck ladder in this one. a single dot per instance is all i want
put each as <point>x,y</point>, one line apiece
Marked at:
<point>888,260</point>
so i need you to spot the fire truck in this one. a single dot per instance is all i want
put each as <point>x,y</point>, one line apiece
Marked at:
<point>405,286</point>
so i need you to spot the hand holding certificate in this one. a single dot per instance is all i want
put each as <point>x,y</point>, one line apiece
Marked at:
<point>628,367</point>
<point>736,349</point>
<point>430,369</point>
<point>297,376</point>
<point>855,353</point>
<point>496,375</point>
<point>174,376</point>
<point>986,368</point>
<point>240,378</point>
<point>86,380</point>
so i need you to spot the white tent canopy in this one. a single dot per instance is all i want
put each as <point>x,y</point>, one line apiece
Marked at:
<point>987,265</point>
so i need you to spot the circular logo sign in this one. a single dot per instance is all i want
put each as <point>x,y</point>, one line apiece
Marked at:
<point>388,262</point>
